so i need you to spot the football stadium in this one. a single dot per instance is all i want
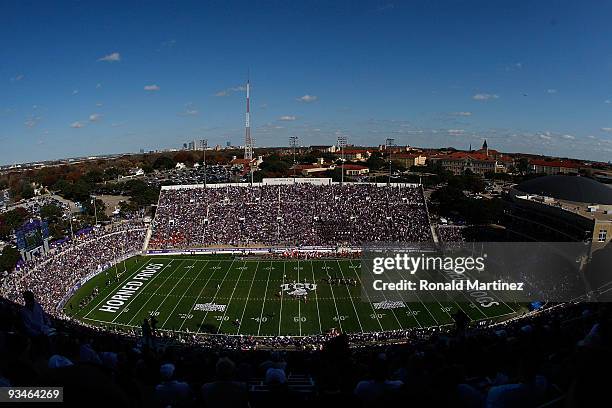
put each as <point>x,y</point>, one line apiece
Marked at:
<point>262,280</point>
<point>307,204</point>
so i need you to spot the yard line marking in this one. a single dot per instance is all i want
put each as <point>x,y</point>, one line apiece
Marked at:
<point>113,290</point>
<point>138,294</point>
<point>215,296</point>
<point>282,295</point>
<point>299,301</point>
<point>316,298</point>
<point>230,299</point>
<point>186,290</point>
<point>410,309</point>
<point>401,326</point>
<point>198,297</point>
<point>247,299</point>
<point>168,293</point>
<point>147,284</point>
<point>334,297</point>
<point>349,293</point>
<point>264,300</point>
<point>457,303</point>
<point>368,296</point>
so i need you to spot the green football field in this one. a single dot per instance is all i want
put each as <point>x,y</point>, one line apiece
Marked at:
<point>225,295</point>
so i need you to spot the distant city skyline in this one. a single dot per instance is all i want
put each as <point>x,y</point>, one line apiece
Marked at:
<point>86,79</point>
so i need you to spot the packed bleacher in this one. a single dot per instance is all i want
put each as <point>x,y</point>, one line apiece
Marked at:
<point>291,215</point>
<point>555,358</point>
<point>50,276</point>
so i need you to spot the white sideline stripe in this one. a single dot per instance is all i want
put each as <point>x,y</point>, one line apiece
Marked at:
<point>181,299</point>
<point>137,296</point>
<point>114,289</point>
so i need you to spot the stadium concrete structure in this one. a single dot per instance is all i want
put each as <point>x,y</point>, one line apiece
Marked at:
<point>562,208</point>
<point>273,259</point>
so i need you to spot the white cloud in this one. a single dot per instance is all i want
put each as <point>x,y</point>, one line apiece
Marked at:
<point>569,137</point>
<point>152,87</point>
<point>606,129</point>
<point>462,113</point>
<point>229,91</point>
<point>608,101</point>
<point>455,131</point>
<point>308,98</point>
<point>484,97</point>
<point>190,112</point>
<point>18,77</point>
<point>99,104</point>
<point>113,57</point>
<point>94,117</point>
<point>98,85</point>
<point>32,121</point>
<point>77,125</point>
<point>288,118</point>
<point>551,91</point>
<point>76,91</point>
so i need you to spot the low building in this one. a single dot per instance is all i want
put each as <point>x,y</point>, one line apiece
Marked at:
<point>553,167</point>
<point>409,159</point>
<point>353,154</point>
<point>481,161</point>
<point>355,169</point>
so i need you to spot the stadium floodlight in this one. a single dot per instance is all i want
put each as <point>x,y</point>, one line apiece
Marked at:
<point>93,201</point>
<point>293,141</point>
<point>204,147</point>
<point>342,144</point>
<point>390,142</point>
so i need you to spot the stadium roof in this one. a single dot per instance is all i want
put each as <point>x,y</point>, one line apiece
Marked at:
<point>570,188</point>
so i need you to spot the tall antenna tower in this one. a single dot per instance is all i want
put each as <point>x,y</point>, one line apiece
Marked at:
<point>248,141</point>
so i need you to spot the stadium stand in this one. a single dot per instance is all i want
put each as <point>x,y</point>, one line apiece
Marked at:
<point>49,277</point>
<point>555,358</point>
<point>289,215</point>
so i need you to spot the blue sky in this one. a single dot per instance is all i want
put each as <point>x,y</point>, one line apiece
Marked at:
<point>85,78</point>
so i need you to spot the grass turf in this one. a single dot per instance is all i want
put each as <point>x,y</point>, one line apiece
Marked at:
<point>249,289</point>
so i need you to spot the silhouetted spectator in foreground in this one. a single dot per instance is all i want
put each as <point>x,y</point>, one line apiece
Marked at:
<point>171,392</point>
<point>225,392</point>
<point>33,318</point>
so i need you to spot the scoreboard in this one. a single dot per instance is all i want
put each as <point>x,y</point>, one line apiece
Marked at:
<point>32,235</point>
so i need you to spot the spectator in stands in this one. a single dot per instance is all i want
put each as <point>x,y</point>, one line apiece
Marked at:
<point>33,318</point>
<point>170,392</point>
<point>379,389</point>
<point>224,391</point>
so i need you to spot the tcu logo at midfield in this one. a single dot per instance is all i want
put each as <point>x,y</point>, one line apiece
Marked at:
<point>298,289</point>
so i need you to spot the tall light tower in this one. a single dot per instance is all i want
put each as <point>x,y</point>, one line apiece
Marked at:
<point>293,141</point>
<point>248,141</point>
<point>390,143</point>
<point>342,145</point>
<point>204,147</point>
